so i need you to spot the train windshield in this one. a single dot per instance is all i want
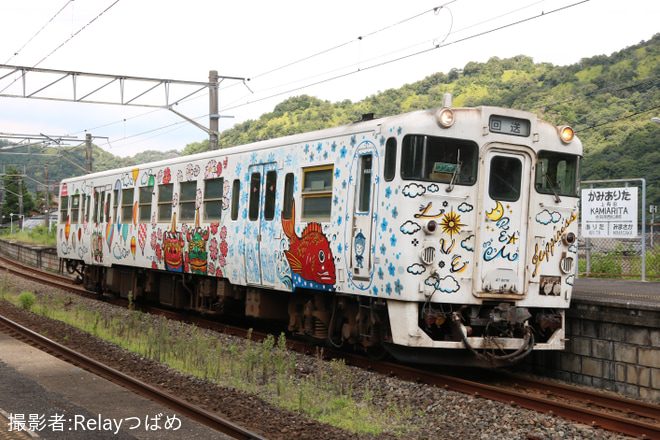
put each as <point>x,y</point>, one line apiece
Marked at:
<point>557,173</point>
<point>439,159</point>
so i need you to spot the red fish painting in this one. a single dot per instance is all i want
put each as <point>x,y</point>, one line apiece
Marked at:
<point>309,255</point>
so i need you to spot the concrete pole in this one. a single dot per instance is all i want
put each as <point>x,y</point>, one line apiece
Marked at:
<point>20,202</point>
<point>47,204</point>
<point>213,110</point>
<point>88,153</point>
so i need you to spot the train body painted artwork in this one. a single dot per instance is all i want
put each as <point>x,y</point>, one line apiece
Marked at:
<point>442,236</point>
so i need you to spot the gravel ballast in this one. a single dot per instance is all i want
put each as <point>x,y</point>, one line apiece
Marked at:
<point>430,412</point>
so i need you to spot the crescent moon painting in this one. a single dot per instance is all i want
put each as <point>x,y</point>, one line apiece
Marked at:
<point>496,213</point>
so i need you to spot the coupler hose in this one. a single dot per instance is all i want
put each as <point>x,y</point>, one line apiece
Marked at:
<point>520,353</point>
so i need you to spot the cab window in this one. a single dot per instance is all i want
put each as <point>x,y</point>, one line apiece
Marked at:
<point>557,171</point>
<point>439,159</point>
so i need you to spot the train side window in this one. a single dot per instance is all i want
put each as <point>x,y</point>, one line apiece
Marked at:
<point>317,193</point>
<point>165,193</point>
<point>106,208</point>
<point>187,201</point>
<point>213,198</point>
<point>116,206</point>
<point>146,195</point>
<point>75,209</point>
<point>127,205</point>
<point>95,210</point>
<point>255,195</point>
<point>364,195</point>
<point>99,206</point>
<point>271,190</point>
<point>235,197</point>
<point>390,159</point>
<point>288,197</point>
<point>505,178</point>
<point>64,209</point>
<point>86,209</point>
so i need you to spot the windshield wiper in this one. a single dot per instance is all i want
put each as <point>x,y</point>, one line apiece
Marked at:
<point>552,187</point>
<point>457,171</point>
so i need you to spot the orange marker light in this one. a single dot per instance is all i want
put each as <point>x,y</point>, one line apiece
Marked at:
<point>445,117</point>
<point>566,134</point>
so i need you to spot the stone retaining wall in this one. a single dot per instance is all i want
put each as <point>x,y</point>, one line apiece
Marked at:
<point>38,256</point>
<point>612,347</point>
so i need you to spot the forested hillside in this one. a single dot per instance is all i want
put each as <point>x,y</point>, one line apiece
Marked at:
<point>608,99</point>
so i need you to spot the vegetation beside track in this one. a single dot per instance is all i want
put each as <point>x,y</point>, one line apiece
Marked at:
<point>39,235</point>
<point>325,391</point>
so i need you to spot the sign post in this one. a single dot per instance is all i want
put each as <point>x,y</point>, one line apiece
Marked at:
<point>652,209</point>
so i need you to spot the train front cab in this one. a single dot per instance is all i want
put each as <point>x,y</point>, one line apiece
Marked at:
<point>524,226</point>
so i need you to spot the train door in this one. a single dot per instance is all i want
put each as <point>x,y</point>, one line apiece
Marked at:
<point>504,214</point>
<point>361,199</point>
<point>259,227</point>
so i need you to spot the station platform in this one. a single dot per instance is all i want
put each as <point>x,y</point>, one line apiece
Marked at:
<point>627,293</point>
<point>60,401</point>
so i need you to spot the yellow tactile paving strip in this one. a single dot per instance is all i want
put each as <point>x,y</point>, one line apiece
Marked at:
<point>6,434</point>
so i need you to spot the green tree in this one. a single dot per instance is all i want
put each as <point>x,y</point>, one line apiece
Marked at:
<point>10,204</point>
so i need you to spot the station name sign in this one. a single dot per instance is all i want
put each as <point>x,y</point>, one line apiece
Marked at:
<point>609,212</point>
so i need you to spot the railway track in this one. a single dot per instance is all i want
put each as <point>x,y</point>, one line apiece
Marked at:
<point>42,276</point>
<point>128,382</point>
<point>598,410</point>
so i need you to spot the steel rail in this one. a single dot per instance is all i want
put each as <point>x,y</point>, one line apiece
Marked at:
<point>180,406</point>
<point>588,416</point>
<point>582,414</point>
<point>590,398</point>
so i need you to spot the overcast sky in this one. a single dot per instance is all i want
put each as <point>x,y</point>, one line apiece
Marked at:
<point>332,50</point>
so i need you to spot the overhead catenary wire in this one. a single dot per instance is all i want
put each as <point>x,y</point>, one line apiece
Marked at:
<point>376,65</point>
<point>22,75</point>
<point>39,31</point>
<point>359,38</point>
<point>77,32</point>
<point>407,56</point>
<point>325,51</point>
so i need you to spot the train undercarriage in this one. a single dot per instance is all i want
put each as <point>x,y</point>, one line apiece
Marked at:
<point>356,322</point>
<point>334,319</point>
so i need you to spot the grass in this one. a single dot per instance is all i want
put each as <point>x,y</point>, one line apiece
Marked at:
<point>39,235</point>
<point>329,393</point>
<point>622,261</point>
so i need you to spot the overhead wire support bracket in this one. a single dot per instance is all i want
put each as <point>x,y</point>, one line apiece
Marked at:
<point>6,82</point>
<point>46,92</point>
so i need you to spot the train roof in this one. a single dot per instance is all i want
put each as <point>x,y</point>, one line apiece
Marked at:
<point>364,125</point>
<point>356,127</point>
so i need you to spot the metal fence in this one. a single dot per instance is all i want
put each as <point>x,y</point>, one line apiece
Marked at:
<point>616,258</point>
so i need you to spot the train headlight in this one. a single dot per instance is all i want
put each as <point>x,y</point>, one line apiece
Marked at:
<point>566,134</point>
<point>445,117</point>
<point>569,238</point>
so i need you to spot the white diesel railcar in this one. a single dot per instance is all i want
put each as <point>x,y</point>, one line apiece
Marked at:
<point>442,236</point>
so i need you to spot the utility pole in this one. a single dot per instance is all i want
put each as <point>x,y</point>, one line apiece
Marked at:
<point>213,110</point>
<point>20,201</point>
<point>47,205</point>
<point>88,153</point>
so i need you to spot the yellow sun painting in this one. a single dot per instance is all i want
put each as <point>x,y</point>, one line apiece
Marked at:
<point>451,223</point>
